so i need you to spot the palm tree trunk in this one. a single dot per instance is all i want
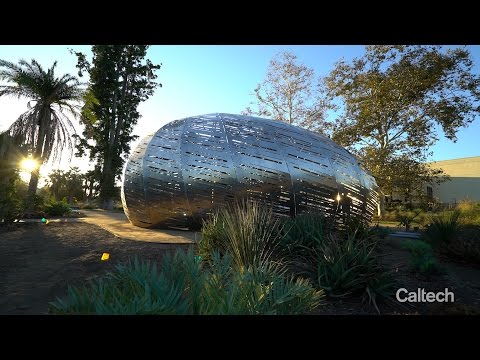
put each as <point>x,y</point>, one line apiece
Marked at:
<point>34,175</point>
<point>32,190</point>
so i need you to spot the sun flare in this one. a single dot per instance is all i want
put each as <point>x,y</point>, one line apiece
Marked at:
<point>28,164</point>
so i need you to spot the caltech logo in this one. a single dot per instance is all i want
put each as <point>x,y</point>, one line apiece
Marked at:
<point>403,295</point>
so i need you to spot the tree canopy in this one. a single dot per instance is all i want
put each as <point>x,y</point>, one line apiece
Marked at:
<point>120,79</point>
<point>290,93</point>
<point>396,98</point>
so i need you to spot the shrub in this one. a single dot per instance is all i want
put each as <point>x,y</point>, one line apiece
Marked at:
<point>184,286</point>
<point>10,204</point>
<point>304,232</point>
<point>39,205</point>
<point>470,212</point>
<point>248,231</point>
<point>390,215</point>
<point>467,206</point>
<point>342,262</point>
<point>409,217</point>
<point>381,232</point>
<point>57,208</point>
<point>350,265</point>
<point>422,258</point>
<point>464,247</point>
<point>443,228</point>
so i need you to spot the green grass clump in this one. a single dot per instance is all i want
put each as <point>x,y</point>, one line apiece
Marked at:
<point>422,258</point>
<point>185,285</point>
<point>248,231</point>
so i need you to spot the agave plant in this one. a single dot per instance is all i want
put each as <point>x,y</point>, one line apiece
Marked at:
<point>184,285</point>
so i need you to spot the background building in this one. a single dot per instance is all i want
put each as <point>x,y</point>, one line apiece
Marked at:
<point>464,180</point>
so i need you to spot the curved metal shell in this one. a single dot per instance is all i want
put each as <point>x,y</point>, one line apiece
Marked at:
<point>189,167</point>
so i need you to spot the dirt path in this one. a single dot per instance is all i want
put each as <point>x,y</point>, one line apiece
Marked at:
<point>463,281</point>
<point>118,224</point>
<point>38,262</point>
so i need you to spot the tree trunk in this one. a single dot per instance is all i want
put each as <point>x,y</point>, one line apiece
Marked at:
<point>108,182</point>
<point>37,156</point>
<point>90,190</point>
<point>108,204</point>
<point>32,190</point>
<point>381,206</point>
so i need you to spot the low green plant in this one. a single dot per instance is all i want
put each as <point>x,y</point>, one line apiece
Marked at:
<point>10,204</point>
<point>409,217</point>
<point>304,232</point>
<point>185,285</point>
<point>89,205</point>
<point>57,208</point>
<point>464,247</point>
<point>340,262</point>
<point>467,206</point>
<point>349,264</point>
<point>422,258</point>
<point>470,212</point>
<point>247,230</point>
<point>381,232</point>
<point>443,228</point>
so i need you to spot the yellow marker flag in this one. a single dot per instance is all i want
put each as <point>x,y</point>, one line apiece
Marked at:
<point>105,256</point>
<point>46,222</point>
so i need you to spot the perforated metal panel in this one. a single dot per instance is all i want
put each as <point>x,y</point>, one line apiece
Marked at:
<point>190,167</point>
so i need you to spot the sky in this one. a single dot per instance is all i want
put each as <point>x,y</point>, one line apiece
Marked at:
<point>202,79</point>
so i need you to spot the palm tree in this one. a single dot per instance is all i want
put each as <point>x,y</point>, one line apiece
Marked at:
<point>44,127</point>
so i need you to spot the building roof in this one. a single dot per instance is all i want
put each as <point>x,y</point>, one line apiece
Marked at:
<point>461,167</point>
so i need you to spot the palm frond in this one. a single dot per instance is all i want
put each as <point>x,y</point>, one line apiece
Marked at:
<point>45,128</point>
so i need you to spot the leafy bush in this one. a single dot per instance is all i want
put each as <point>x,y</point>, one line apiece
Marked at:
<point>409,217</point>
<point>464,247</point>
<point>406,216</point>
<point>10,154</point>
<point>57,208</point>
<point>390,215</point>
<point>10,204</point>
<point>38,206</point>
<point>248,231</point>
<point>184,286</point>
<point>422,258</point>
<point>454,235</point>
<point>381,232</point>
<point>443,228</point>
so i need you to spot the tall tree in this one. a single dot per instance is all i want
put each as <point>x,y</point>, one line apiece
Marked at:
<point>66,184</point>
<point>45,127</point>
<point>120,80</point>
<point>396,98</point>
<point>91,182</point>
<point>290,93</point>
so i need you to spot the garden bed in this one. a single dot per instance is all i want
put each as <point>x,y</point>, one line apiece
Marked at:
<point>38,262</point>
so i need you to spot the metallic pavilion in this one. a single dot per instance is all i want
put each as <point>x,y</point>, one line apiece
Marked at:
<point>180,174</point>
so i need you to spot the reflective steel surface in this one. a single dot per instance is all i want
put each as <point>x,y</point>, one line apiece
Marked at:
<point>189,167</point>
